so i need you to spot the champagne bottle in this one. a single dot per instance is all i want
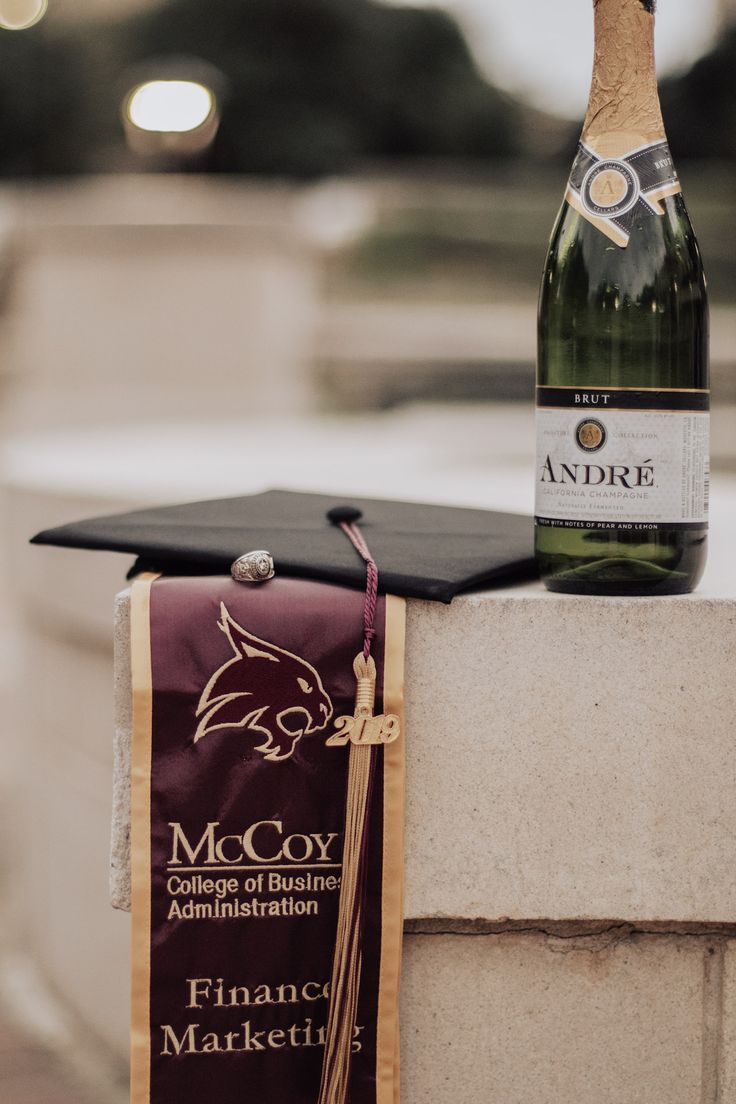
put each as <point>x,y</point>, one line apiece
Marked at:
<point>622,395</point>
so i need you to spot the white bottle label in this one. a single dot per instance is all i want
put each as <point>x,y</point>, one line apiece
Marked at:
<point>621,458</point>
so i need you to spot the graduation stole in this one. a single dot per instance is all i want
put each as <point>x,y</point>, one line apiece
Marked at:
<point>266,937</point>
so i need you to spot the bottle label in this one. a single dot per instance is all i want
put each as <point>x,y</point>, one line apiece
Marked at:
<point>620,458</point>
<point>613,193</point>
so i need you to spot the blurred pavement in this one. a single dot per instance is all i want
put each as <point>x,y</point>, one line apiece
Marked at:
<point>44,1057</point>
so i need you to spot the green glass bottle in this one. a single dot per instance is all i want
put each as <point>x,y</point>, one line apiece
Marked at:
<point>622,384</point>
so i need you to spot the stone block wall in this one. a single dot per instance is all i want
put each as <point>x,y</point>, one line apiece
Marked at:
<point>569,931</point>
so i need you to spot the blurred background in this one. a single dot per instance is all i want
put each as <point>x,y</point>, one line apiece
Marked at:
<point>241,240</point>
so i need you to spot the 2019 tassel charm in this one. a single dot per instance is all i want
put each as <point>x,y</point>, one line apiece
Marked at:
<point>363,727</point>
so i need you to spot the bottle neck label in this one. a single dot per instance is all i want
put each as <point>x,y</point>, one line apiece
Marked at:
<point>616,193</point>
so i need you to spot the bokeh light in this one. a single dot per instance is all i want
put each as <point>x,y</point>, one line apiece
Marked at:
<point>18,15</point>
<point>170,106</point>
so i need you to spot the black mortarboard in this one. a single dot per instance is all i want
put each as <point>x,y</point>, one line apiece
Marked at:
<point>431,552</point>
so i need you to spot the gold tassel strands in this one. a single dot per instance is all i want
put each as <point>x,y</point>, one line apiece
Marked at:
<point>346,966</point>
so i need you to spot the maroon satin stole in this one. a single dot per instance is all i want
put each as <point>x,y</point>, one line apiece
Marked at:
<point>238,817</point>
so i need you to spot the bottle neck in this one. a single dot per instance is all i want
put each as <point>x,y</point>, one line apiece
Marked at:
<point>623,110</point>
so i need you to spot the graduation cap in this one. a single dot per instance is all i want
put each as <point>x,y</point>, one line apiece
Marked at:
<point>406,549</point>
<point>422,551</point>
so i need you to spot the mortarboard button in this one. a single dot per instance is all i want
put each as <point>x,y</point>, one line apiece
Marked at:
<point>346,514</point>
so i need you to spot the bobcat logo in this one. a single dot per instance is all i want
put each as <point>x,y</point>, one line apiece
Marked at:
<point>263,689</point>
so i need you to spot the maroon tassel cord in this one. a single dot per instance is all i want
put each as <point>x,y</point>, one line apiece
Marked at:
<point>346,517</point>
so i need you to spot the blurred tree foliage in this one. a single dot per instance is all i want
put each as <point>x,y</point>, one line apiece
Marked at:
<point>700,106</point>
<point>41,104</point>
<point>316,84</point>
<point>312,86</point>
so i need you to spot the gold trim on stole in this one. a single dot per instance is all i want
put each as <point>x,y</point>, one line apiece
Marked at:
<point>140,845</point>
<point>394,802</point>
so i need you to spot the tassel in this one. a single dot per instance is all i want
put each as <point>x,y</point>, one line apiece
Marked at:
<point>347,961</point>
<point>363,732</point>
